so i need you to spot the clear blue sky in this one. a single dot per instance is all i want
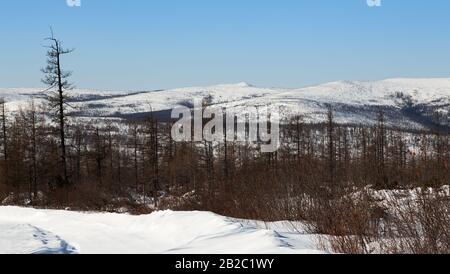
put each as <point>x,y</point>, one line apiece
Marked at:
<point>152,44</point>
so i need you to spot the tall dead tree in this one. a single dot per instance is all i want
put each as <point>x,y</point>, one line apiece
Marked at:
<point>31,120</point>
<point>99,154</point>
<point>331,146</point>
<point>79,142</point>
<point>380,150</point>
<point>154,143</point>
<point>3,128</point>
<point>133,133</point>
<point>57,81</point>
<point>4,142</point>
<point>296,132</point>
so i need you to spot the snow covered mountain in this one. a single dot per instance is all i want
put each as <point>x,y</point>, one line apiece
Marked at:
<point>411,103</point>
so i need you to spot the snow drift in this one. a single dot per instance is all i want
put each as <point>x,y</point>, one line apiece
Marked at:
<point>32,231</point>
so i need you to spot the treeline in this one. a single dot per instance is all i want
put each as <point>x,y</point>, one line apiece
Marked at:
<point>108,159</point>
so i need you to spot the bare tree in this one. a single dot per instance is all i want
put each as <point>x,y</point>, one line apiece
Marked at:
<point>331,146</point>
<point>3,126</point>
<point>31,120</point>
<point>57,79</point>
<point>152,151</point>
<point>380,152</point>
<point>4,137</point>
<point>133,133</point>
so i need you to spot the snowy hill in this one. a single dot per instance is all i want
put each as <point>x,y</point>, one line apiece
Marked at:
<point>32,231</point>
<point>411,103</point>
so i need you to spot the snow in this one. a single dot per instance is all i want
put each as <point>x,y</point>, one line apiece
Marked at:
<point>25,230</point>
<point>354,100</point>
<point>27,239</point>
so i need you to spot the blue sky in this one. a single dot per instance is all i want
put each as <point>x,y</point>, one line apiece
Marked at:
<point>153,44</point>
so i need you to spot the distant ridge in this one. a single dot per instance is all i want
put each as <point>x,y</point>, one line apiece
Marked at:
<point>407,102</point>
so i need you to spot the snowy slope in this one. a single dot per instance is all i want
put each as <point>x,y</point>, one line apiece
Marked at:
<point>407,102</point>
<point>48,231</point>
<point>27,239</point>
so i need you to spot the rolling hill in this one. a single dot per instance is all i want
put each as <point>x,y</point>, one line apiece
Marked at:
<point>408,103</point>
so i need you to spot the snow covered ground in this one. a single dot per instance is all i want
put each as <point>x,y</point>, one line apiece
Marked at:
<point>24,230</point>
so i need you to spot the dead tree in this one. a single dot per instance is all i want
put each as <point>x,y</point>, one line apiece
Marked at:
<point>31,119</point>
<point>331,147</point>
<point>3,128</point>
<point>133,133</point>
<point>79,139</point>
<point>57,80</point>
<point>99,154</point>
<point>151,154</point>
<point>380,151</point>
<point>4,138</point>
